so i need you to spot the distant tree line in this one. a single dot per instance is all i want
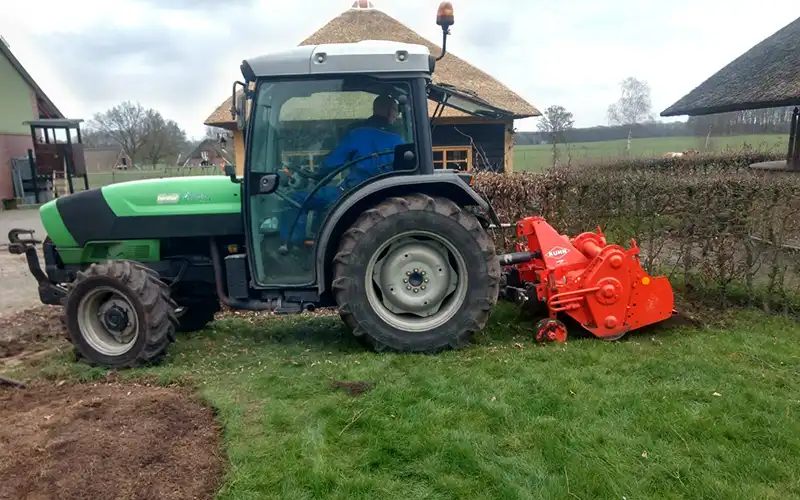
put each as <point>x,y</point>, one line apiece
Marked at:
<point>758,121</point>
<point>631,116</point>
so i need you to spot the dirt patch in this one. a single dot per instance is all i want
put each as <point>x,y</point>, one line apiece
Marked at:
<point>355,388</point>
<point>107,441</point>
<point>30,330</point>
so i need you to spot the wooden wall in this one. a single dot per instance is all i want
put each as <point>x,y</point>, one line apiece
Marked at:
<point>489,138</point>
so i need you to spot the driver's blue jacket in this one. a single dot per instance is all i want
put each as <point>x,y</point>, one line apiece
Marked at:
<point>369,137</point>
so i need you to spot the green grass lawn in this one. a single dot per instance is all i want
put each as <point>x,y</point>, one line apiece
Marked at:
<point>679,413</point>
<point>538,158</point>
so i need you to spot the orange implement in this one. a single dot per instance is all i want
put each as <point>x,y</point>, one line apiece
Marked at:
<point>603,287</point>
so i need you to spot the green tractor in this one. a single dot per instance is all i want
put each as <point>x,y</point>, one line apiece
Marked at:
<point>400,248</point>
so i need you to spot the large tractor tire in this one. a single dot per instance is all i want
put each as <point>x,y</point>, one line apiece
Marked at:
<point>119,314</point>
<point>416,274</point>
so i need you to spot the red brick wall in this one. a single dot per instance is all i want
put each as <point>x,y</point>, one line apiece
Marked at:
<point>11,146</point>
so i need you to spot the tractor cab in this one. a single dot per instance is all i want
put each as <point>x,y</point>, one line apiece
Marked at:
<point>327,124</point>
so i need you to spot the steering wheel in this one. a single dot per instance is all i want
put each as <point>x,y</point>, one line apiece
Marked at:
<point>297,178</point>
<point>322,183</point>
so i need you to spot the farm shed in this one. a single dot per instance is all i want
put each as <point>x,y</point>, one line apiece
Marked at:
<point>207,153</point>
<point>460,141</point>
<point>106,159</point>
<point>766,76</point>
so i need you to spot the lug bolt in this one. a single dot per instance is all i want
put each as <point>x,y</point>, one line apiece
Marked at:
<point>405,281</point>
<point>426,280</point>
<point>408,287</point>
<point>416,290</point>
<point>416,270</point>
<point>423,287</point>
<point>408,273</point>
<point>423,273</point>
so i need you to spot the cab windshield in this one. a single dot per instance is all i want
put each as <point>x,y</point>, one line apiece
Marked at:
<point>301,122</point>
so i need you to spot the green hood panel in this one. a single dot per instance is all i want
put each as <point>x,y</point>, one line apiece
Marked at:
<point>54,225</point>
<point>152,209</point>
<point>212,194</point>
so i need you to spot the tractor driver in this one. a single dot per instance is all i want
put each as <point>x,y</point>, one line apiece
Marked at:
<point>371,136</point>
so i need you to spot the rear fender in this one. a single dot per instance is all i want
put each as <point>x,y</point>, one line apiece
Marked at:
<point>349,208</point>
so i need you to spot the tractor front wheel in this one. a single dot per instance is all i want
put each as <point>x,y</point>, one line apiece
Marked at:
<point>416,274</point>
<point>119,314</point>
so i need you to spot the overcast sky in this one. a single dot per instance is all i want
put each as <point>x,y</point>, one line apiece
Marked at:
<point>181,56</point>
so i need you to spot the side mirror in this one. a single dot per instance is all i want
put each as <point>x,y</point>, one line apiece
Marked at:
<point>239,105</point>
<point>230,171</point>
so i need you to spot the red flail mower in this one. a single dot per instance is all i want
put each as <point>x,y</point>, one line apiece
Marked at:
<point>601,286</point>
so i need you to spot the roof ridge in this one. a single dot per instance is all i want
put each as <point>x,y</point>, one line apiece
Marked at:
<point>5,50</point>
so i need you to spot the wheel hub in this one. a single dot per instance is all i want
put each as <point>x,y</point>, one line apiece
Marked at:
<point>115,319</point>
<point>107,321</point>
<point>415,277</point>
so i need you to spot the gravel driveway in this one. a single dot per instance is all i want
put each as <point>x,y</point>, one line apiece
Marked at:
<point>17,287</point>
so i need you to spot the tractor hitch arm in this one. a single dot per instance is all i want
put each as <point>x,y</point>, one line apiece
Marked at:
<point>21,241</point>
<point>21,238</point>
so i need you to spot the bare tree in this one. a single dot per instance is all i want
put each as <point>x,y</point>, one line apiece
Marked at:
<point>142,133</point>
<point>162,138</point>
<point>123,124</point>
<point>555,121</point>
<point>634,105</point>
<point>94,138</point>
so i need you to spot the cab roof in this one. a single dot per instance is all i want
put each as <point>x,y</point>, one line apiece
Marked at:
<point>368,56</point>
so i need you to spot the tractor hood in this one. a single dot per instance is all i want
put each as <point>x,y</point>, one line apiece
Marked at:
<point>153,208</point>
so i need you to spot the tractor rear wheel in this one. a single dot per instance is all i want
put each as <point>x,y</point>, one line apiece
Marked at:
<point>119,314</point>
<point>416,274</point>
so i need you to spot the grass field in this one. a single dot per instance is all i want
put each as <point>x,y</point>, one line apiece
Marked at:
<point>526,158</point>
<point>682,413</point>
<point>537,158</point>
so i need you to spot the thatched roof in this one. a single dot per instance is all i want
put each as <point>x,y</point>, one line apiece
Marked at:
<point>46,107</point>
<point>360,23</point>
<point>766,76</point>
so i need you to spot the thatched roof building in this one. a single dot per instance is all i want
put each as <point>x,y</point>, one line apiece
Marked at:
<point>473,139</point>
<point>369,23</point>
<point>766,76</point>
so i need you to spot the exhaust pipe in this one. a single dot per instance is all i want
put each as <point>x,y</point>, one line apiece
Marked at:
<point>249,305</point>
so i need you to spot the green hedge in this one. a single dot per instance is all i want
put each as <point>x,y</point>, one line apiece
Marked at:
<point>710,223</point>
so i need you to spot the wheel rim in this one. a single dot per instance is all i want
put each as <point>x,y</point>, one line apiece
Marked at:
<point>416,281</point>
<point>107,320</point>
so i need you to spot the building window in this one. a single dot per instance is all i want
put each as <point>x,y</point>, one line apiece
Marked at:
<point>453,158</point>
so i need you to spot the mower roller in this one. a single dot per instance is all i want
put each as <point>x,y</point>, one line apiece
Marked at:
<point>600,286</point>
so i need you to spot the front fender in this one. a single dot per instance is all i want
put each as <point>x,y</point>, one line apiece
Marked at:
<point>349,208</point>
